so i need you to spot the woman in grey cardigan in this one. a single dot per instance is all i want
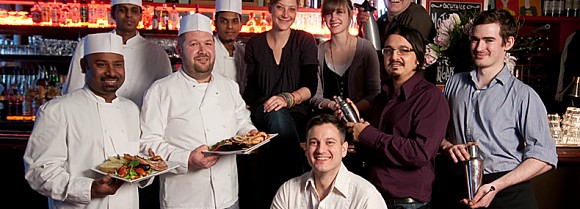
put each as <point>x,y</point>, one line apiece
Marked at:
<point>349,66</point>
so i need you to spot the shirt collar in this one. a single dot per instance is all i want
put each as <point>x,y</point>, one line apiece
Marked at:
<point>133,40</point>
<point>407,89</point>
<point>340,185</point>
<point>95,97</point>
<point>501,78</point>
<point>190,79</point>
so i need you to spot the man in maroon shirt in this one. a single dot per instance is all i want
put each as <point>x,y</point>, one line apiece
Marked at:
<point>408,122</point>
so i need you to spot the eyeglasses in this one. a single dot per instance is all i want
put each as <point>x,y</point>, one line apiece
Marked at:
<point>388,51</point>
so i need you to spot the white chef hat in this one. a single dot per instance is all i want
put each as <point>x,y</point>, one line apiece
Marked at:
<point>135,2</point>
<point>103,43</point>
<point>228,6</point>
<point>194,22</point>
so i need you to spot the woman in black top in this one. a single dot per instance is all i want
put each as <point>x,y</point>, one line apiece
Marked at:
<point>281,70</point>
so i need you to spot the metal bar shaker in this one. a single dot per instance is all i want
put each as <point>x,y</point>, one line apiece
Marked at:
<point>473,170</point>
<point>349,113</point>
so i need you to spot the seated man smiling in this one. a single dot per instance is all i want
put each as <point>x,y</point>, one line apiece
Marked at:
<point>329,184</point>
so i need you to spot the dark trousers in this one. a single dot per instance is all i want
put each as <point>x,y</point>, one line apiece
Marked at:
<point>261,174</point>
<point>449,189</point>
<point>519,196</point>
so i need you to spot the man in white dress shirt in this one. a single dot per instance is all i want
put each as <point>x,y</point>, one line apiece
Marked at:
<point>145,61</point>
<point>80,130</point>
<point>229,53</point>
<point>184,113</point>
<point>329,184</point>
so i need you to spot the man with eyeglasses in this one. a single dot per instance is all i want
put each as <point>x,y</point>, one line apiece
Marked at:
<point>408,122</point>
<point>145,61</point>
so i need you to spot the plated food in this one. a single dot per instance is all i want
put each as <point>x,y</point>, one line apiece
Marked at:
<point>240,144</point>
<point>133,167</point>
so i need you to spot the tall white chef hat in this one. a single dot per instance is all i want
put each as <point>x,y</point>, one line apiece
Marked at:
<point>228,6</point>
<point>194,22</point>
<point>135,2</point>
<point>103,43</point>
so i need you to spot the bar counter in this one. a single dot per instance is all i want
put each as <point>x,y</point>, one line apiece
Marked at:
<point>555,189</point>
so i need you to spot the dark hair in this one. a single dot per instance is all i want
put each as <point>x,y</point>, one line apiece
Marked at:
<point>329,6</point>
<point>507,24</point>
<point>217,15</point>
<point>414,37</point>
<point>328,119</point>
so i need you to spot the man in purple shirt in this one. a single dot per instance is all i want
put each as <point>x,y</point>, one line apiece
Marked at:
<point>408,122</point>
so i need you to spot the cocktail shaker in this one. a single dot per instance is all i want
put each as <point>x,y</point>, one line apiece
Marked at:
<point>347,110</point>
<point>473,170</point>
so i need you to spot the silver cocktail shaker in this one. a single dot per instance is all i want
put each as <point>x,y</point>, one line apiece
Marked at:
<point>349,113</point>
<point>473,170</point>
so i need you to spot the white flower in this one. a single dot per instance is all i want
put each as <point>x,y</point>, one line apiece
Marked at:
<point>443,40</point>
<point>431,54</point>
<point>510,61</point>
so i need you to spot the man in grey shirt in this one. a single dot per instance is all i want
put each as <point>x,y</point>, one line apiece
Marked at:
<point>503,116</point>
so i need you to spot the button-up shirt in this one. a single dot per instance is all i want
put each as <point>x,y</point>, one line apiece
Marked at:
<point>401,143</point>
<point>507,118</point>
<point>73,134</point>
<point>347,191</point>
<point>178,115</point>
<point>145,62</point>
<point>232,67</point>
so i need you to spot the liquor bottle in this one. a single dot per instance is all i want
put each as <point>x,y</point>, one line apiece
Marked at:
<point>35,13</point>
<point>45,12</point>
<point>174,17</point>
<point>54,14</point>
<point>264,22</point>
<point>75,13</point>
<point>576,7</point>
<point>93,12</point>
<point>164,18</point>
<point>559,7</point>
<point>146,17</point>
<point>84,12</point>
<point>568,11</point>
<point>347,110</point>
<point>251,24</point>
<point>101,10</point>
<point>155,19</point>
<point>41,85</point>
<point>64,14</point>
<point>53,84</point>
<point>546,7</point>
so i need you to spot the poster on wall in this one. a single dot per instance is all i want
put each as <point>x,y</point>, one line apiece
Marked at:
<point>439,11</point>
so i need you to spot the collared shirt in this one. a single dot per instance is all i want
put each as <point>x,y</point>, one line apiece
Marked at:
<point>71,135</point>
<point>178,115</point>
<point>401,143</point>
<point>507,118</point>
<point>232,67</point>
<point>348,191</point>
<point>145,62</point>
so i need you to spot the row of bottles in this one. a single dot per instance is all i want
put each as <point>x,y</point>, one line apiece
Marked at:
<point>25,90</point>
<point>64,14</point>
<point>561,8</point>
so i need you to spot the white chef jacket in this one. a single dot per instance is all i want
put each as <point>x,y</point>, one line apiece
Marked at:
<point>178,115</point>
<point>145,62</point>
<point>233,67</point>
<point>71,135</point>
<point>348,191</point>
